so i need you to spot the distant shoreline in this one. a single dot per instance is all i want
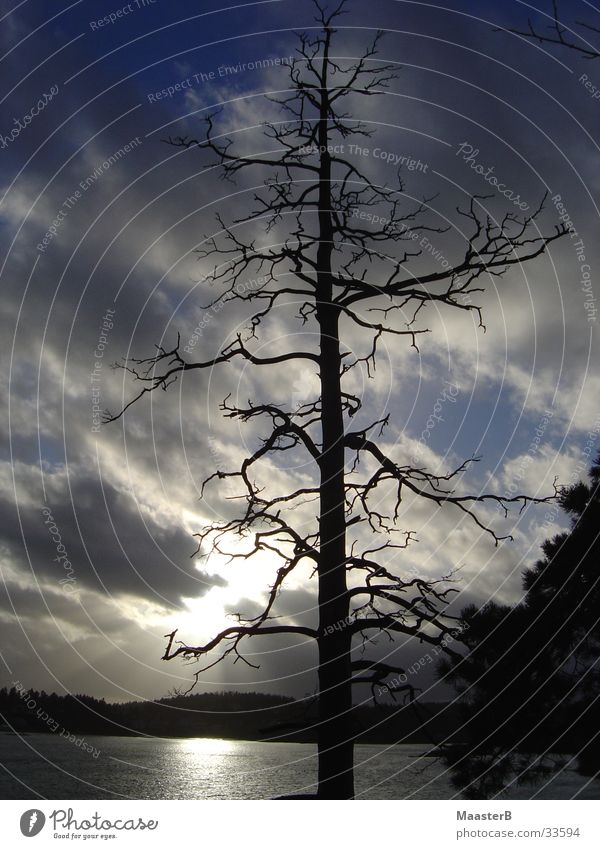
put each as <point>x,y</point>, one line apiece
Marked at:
<point>228,715</point>
<point>8,732</point>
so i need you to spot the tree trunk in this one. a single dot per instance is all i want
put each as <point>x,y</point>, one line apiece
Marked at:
<point>336,747</point>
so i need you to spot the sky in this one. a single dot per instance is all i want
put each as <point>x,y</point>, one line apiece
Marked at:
<point>100,223</point>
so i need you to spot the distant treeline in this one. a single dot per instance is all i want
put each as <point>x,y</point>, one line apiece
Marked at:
<point>234,715</point>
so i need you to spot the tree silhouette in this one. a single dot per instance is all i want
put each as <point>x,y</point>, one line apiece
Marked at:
<point>580,36</point>
<point>347,276</point>
<point>530,683</point>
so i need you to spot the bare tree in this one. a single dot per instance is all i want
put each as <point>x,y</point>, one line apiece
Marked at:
<point>580,36</point>
<point>345,274</point>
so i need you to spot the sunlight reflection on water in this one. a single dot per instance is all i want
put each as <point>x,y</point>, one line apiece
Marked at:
<point>206,768</point>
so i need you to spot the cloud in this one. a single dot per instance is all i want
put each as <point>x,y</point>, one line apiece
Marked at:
<point>126,500</point>
<point>114,543</point>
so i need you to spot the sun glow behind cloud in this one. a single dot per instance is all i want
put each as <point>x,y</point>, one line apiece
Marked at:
<point>535,351</point>
<point>244,581</point>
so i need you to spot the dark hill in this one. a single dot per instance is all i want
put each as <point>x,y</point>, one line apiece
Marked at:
<point>234,715</point>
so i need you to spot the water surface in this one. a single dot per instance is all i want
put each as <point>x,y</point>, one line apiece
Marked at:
<point>49,767</point>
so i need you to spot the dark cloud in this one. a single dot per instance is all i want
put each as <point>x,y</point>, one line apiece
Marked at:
<point>111,546</point>
<point>126,499</point>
